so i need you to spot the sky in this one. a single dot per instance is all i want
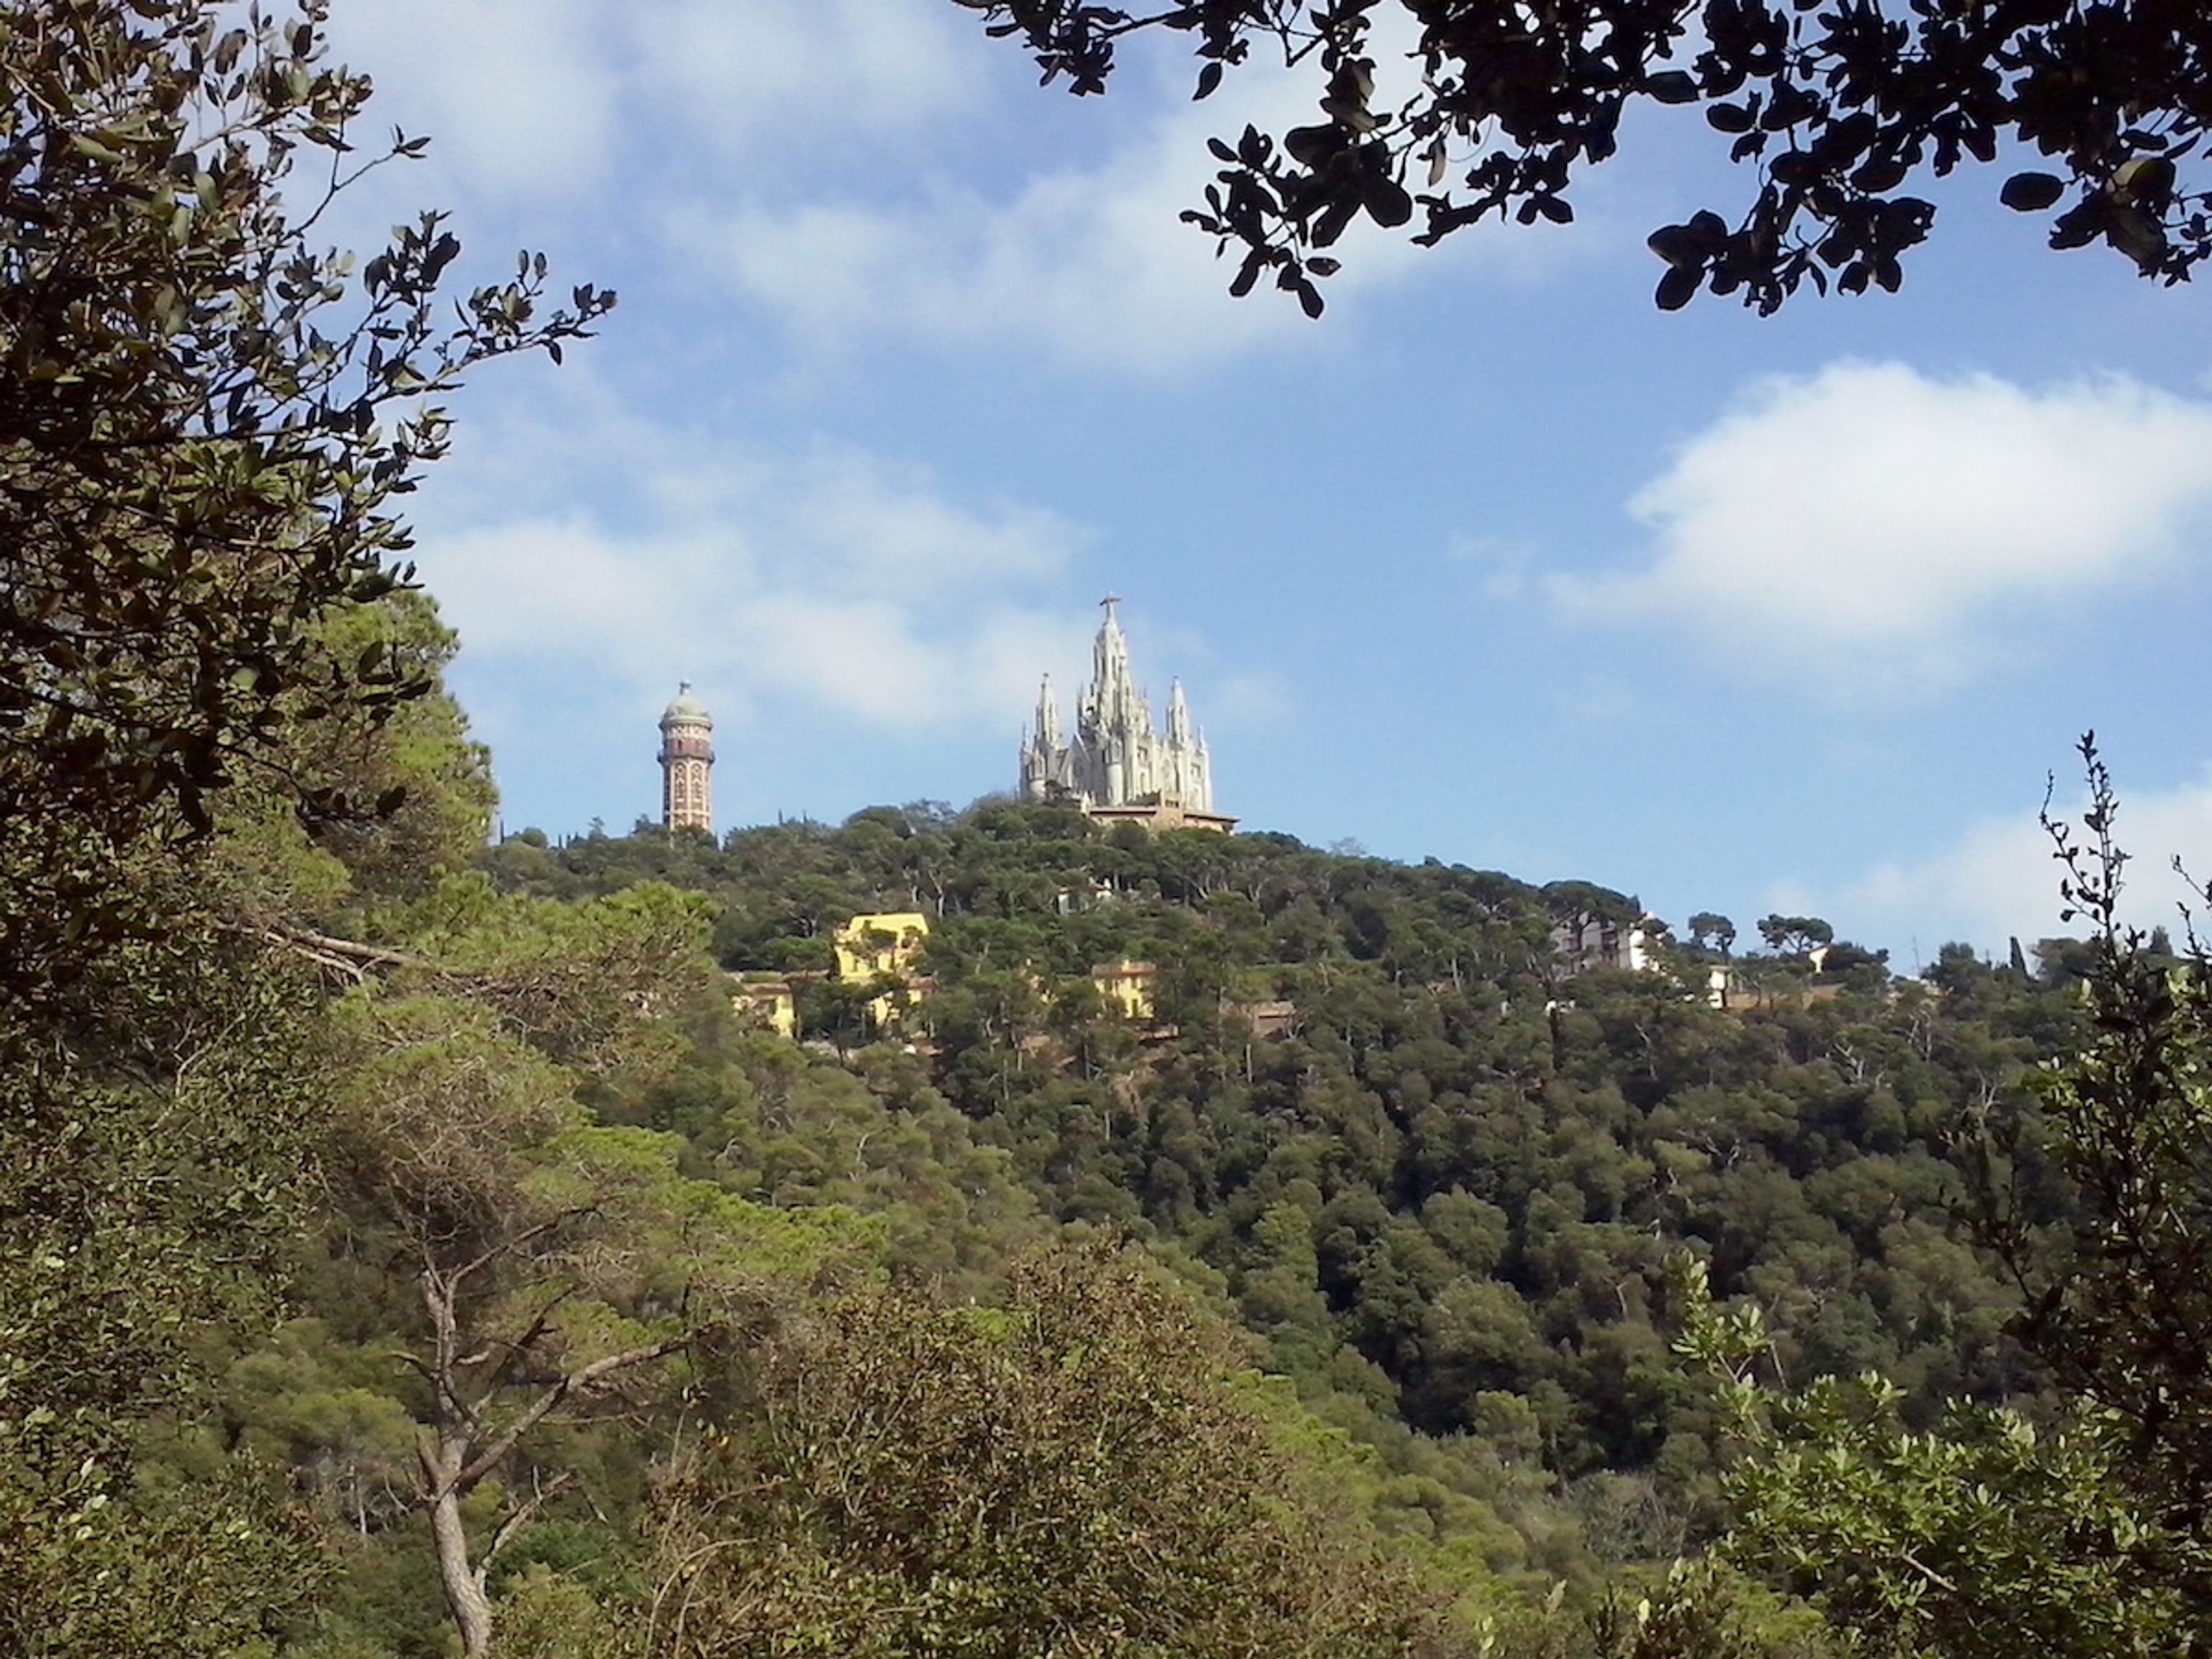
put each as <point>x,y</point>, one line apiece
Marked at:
<point>1494,564</point>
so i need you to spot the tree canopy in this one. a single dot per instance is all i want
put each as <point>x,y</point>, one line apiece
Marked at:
<point>1841,112</point>
<point>206,418</point>
<point>216,705</point>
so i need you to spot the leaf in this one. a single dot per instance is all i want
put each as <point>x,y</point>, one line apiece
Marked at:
<point>1673,87</point>
<point>1884,173</point>
<point>1678,287</point>
<point>1208,78</point>
<point>1311,146</point>
<point>1248,273</point>
<point>2144,179</point>
<point>1687,246</point>
<point>1329,223</point>
<point>2032,193</point>
<point>1387,203</point>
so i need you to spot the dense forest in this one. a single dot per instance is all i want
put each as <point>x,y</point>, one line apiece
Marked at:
<point>1196,1245</point>
<point>1442,1194</point>
<point>501,1268</point>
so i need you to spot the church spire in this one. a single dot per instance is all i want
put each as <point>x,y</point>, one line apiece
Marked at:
<point>1112,701</point>
<point>1048,716</point>
<point>1116,757</point>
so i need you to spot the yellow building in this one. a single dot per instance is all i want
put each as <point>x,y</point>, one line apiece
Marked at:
<point>1126,988</point>
<point>883,946</point>
<point>871,947</point>
<point>765,1003</point>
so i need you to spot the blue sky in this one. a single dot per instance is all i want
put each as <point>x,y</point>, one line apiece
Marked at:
<point>1495,563</point>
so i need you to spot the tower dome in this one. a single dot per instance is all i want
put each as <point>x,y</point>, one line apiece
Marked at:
<point>686,707</point>
<point>686,759</point>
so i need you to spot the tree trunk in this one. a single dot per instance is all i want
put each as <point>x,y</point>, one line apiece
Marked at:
<point>463,1583</point>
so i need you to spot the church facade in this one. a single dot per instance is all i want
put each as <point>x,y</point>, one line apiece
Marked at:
<point>1116,763</point>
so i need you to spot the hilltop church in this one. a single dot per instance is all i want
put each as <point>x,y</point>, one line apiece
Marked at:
<point>1117,766</point>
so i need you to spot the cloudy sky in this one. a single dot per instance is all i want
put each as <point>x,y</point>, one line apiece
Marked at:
<point>1494,564</point>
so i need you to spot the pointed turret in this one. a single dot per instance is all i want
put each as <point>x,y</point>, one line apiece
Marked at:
<point>1044,763</point>
<point>1112,702</point>
<point>1048,716</point>
<point>1178,716</point>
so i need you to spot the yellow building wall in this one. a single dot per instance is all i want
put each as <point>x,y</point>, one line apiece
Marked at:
<point>870,946</point>
<point>1128,987</point>
<point>880,946</point>
<point>771,1005</point>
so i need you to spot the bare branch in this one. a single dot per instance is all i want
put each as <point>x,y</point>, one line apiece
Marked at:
<point>576,1382</point>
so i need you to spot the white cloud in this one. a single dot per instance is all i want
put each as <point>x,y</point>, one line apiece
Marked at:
<point>830,574</point>
<point>1090,263</point>
<point>1868,524</point>
<point>745,71</point>
<point>521,98</point>
<point>839,139</point>
<point>532,98</point>
<point>1998,879</point>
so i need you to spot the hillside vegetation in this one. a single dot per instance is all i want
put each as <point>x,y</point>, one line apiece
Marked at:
<point>430,1246</point>
<point>1195,1248</point>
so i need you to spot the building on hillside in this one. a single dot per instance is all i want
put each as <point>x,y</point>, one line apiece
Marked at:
<point>1585,941</point>
<point>1117,765</point>
<point>1719,985</point>
<point>687,758</point>
<point>1270,1020</point>
<point>874,946</point>
<point>765,1003</point>
<point>1167,813</point>
<point>884,946</point>
<point>1126,988</point>
<point>1084,895</point>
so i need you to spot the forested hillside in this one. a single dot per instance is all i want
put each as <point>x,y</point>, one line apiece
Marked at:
<point>1445,1194</point>
<point>503,1270</point>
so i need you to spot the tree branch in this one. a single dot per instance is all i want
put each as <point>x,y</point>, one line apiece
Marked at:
<point>518,1518</point>
<point>576,1382</point>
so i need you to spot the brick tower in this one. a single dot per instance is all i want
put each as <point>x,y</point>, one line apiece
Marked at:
<point>687,755</point>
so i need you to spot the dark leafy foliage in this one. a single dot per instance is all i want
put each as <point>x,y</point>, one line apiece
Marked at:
<point>1076,1470</point>
<point>204,419</point>
<point>1842,111</point>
